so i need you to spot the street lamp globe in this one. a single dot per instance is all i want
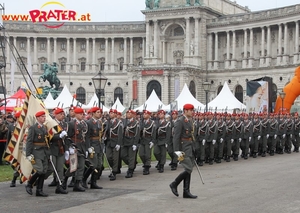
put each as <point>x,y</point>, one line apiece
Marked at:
<point>99,82</point>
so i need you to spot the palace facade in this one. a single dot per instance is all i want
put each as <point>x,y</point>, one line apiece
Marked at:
<point>179,42</point>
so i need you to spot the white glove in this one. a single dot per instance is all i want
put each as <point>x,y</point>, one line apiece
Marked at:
<point>249,138</point>
<point>63,134</point>
<point>258,137</point>
<point>268,135</point>
<point>213,142</point>
<point>133,147</point>
<point>86,154</point>
<point>203,142</point>
<point>166,145</point>
<point>67,155</point>
<point>91,149</point>
<point>221,140</point>
<point>151,144</point>
<point>240,139</point>
<point>231,140</point>
<point>299,134</point>
<point>291,135</point>
<point>117,147</point>
<point>275,136</point>
<point>283,136</point>
<point>72,151</point>
<point>29,157</point>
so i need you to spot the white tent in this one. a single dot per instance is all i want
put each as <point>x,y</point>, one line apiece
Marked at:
<point>225,101</point>
<point>94,102</point>
<point>49,100</point>
<point>118,106</point>
<point>152,104</point>
<point>64,100</point>
<point>186,97</point>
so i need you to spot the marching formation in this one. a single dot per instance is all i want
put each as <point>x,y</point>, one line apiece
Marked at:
<point>85,141</point>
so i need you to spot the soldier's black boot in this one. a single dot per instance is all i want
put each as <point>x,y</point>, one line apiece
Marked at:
<point>157,165</point>
<point>60,190</point>
<point>146,170</point>
<point>176,182</point>
<point>129,173</point>
<point>112,176</point>
<point>13,181</point>
<point>186,187</point>
<point>161,168</point>
<point>235,157</point>
<point>263,154</point>
<point>218,160</point>
<point>30,183</point>
<point>72,183</point>
<point>40,185</point>
<point>86,176</point>
<point>200,163</point>
<point>174,166</point>
<point>54,182</point>
<point>64,183</point>
<point>77,187</point>
<point>211,161</point>
<point>94,181</point>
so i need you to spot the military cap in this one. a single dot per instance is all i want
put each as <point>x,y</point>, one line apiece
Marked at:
<point>58,110</point>
<point>40,113</point>
<point>78,110</point>
<point>188,106</point>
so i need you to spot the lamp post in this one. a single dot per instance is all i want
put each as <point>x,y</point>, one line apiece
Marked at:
<point>282,96</point>
<point>206,87</point>
<point>99,82</point>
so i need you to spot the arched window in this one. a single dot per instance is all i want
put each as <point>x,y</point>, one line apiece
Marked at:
<point>80,95</point>
<point>153,85</point>
<point>192,88</point>
<point>219,89</point>
<point>178,31</point>
<point>118,93</point>
<point>239,93</point>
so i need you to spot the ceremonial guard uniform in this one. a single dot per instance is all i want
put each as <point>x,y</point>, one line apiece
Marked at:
<point>38,152</point>
<point>77,132</point>
<point>229,138</point>
<point>130,142</point>
<point>170,147</point>
<point>114,142</point>
<point>289,134</point>
<point>148,139</point>
<point>262,146</point>
<point>281,134</point>
<point>221,135</point>
<point>239,132</point>
<point>211,138</point>
<point>163,138</point>
<point>272,134</point>
<point>247,136</point>
<point>183,141</point>
<point>95,143</point>
<point>257,129</point>
<point>201,140</point>
<point>296,141</point>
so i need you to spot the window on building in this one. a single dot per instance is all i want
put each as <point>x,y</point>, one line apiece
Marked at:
<point>43,46</point>
<point>102,65</point>
<point>83,46</point>
<point>141,45</point>
<point>178,61</point>
<point>118,94</point>
<point>153,85</point>
<point>42,66</point>
<point>121,65</point>
<point>82,66</point>
<point>63,45</point>
<point>219,89</point>
<point>102,46</point>
<point>80,95</point>
<point>22,45</point>
<point>178,31</point>
<point>192,88</point>
<point>239,93</point>
<point>63,66</point>
<point>122,46</point>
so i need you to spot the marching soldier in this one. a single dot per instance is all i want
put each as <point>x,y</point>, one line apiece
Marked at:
<point>272,134</point>
<point>37,152</point>
<point>238,135</point>
<point>57,148</point>
<point>247,136</point>
<point>296,141</point>
<point>163,138</point>
<point>201,140</point>
<point>148,139</point>
<point>229,138</point>
<point>221,135</point>
<point>257,129</point>
<point>281,134</point>
<point>211,138</point>
<point>262,146</point>
<point>183,141</point>
<point>170,147</point>
<point>289,134</point>
<point>130,142</point>
<point>114,142</point>
<point>95,143</point>
<point>77,132</point>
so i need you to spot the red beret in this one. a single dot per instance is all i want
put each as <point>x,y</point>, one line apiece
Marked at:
<point>58,110</point>
<point>72,108</point>
<point>161,112</point>
<point>147,112</point>
<point>40,113</point>
<point>175,112</point>
<point>119,113</point>
<point>296,114</point>
<point>17,114</point>
<point>130,111</point>
<point>78,110</point>
<point>113,111</point>
<point>188,106</point>
<point>95,109</point>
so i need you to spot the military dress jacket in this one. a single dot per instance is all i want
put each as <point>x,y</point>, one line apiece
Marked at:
<point>131,132</point>
<point>57,145</point>
<point>114,132</point>
<point>77,132</point>
<point>163,132</point>
<point>148,132</point>
<point>94,134</point>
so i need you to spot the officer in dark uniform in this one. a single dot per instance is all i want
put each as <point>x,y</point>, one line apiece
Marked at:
<point>95,143</point>
<point>281,134</point>
<point>77,132</point>
<point>229,138</point>
<point>130,142</point>
<point>221,135</point>
<point>289,134</point>
<point>239,131</point>
<point>183,141</point>
<point>272,134</point>
<point>170,147</point>
<point>262,147</point>
<point>163,138</point>
<point>296,141</point>
<point>57,148</point>
<point>201,139</point>
<point>148,139</point>
<point>247,136</point>
<point>114,142</point>
<point>38,152</point>
<point>211,138</point>
<point>257,131</point>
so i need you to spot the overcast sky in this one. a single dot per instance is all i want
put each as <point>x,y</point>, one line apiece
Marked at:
<point>119,10</point>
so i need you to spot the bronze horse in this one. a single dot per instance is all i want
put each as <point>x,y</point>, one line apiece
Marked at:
<point>50,75</point>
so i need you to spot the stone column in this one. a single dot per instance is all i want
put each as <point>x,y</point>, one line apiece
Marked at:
<point>106,54</point>
<point>28,51</point>
<point>112,60</point>
<point>233,61</point>
<point>251,59</point>
<point>74,56</point>
<point>165,91</point>
<point>216,61</point>
<point>164,51</point>
<point>125,53</point>
<point>94,55</point>
<point>286,51</point>
<point>279,52</point>
<point>87,52</point>
<point>209,51</point>
<point>35,58</point>
<point>262,45</point>
<point>143,50</point>
<point>268,59</point>
<point>68,56</point>
<point>147,39</point>
<point>131,51</point>
<point>296,53</point>
<point>155,39</point>
<point>187,38</point>
<point>48,50</point>
<point>197,36</point>
<point>7,47</point>
<point>227,60</point>
<point>245,59</point>
<point>55,59</point>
